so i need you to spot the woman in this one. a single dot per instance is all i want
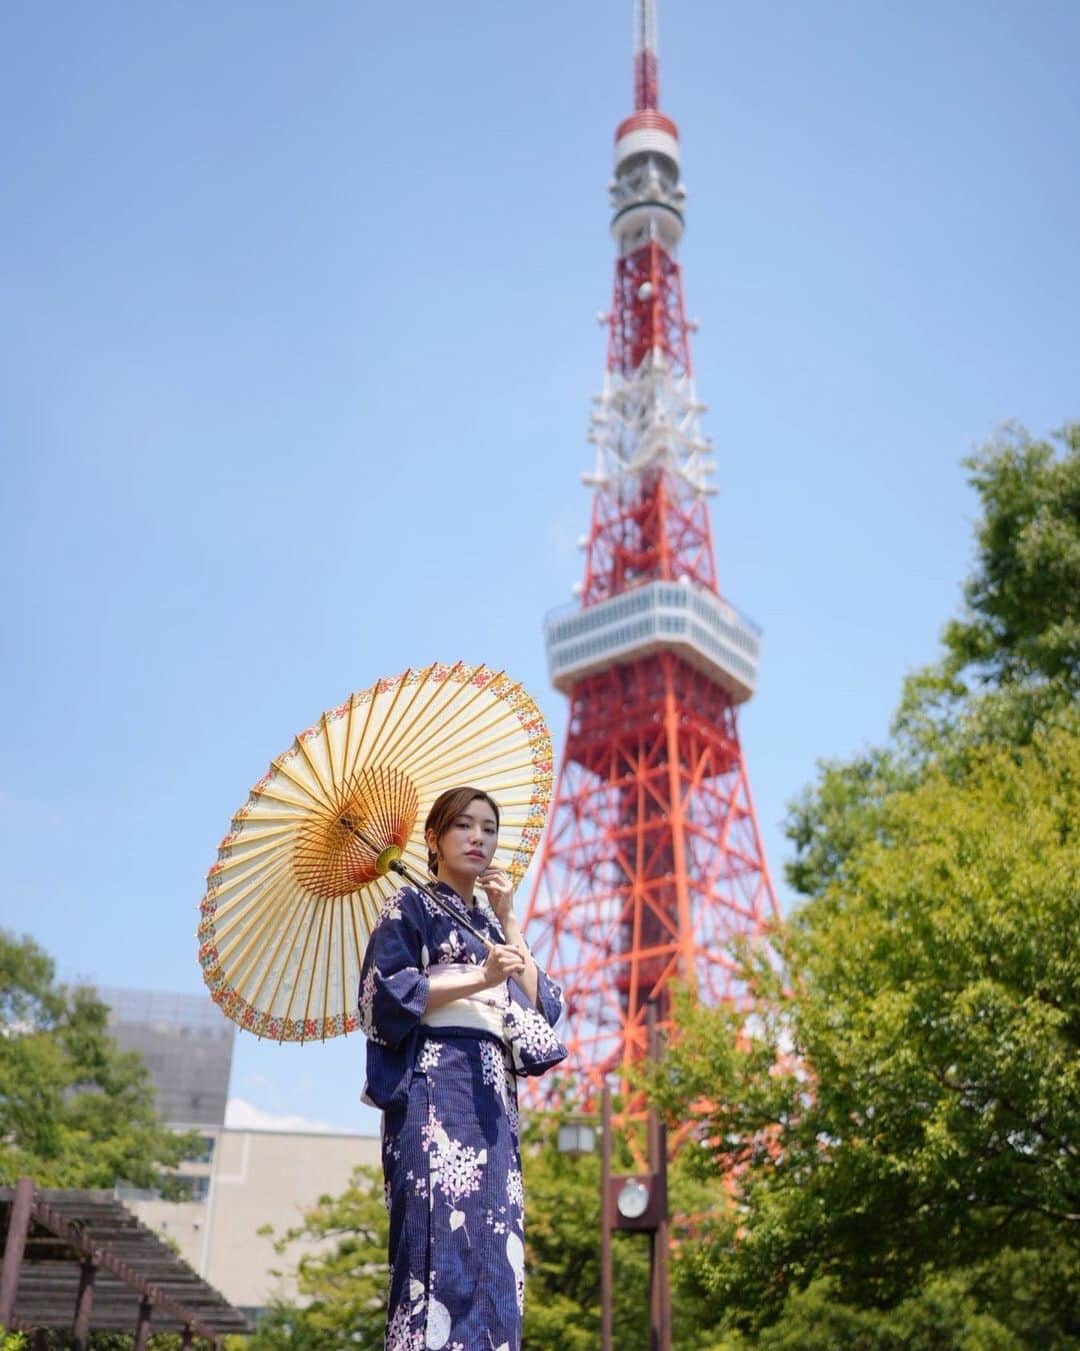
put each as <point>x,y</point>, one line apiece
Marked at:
<point>448,1023</point>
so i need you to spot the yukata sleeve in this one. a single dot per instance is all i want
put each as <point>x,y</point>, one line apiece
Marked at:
<point>549,997</point>
<point>394,979</point>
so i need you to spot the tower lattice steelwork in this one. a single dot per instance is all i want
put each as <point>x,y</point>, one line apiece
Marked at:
<point>653,859</point>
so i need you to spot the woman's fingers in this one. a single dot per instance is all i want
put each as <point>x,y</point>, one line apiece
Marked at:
<point>503,961</point>
<point>495,882</point>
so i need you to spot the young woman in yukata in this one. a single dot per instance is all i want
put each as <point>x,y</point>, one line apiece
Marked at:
<point>436,1006</point>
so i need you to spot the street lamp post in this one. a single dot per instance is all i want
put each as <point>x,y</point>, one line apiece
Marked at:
<point>637,1202</point>
<point>606,1217</point>
<point>577,1138</point>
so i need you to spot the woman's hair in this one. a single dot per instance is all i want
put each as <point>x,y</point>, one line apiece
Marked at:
<point>446,809</point>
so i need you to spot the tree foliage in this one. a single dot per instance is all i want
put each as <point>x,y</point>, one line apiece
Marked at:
<point>1022,617</point>
<point>342,1283</point>
<point>899,1115</point>
<point>75,1111</point>
<point>912,1104</point>
<point>60,1340</point>
<point>342,1286</point>
<point>1010,664</point>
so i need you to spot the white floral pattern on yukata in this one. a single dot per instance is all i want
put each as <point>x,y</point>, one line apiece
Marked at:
<point>451,1160</point>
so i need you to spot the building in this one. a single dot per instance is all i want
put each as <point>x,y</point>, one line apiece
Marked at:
<point>187,1046</point>
<point>243,1180</point>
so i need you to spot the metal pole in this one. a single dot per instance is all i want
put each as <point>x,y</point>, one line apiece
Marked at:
<point>18,1228</point>
<point>395,865</point>
<point>659,1290</point>
<point>142,1327</point>
<point>606,1276</point>
<point>85,1302</point>
<point>185,1341</point>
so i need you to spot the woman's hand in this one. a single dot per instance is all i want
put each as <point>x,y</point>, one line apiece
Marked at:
<point>502,962</point>
<point>499,889</point>
<point>500,893</point>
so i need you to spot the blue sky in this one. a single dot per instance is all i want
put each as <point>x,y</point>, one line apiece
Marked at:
<point>296,352</point>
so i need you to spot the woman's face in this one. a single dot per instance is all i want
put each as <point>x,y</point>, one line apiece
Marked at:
<point>467,846</point>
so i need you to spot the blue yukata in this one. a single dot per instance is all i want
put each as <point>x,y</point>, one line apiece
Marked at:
<point>451,1162</point>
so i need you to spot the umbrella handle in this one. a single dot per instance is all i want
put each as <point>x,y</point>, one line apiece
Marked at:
<point>389,860</point>
<point>398,867</point>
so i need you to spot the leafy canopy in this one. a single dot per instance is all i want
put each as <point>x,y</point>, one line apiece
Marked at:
<point>898,1117</point>
<point>75,1111</point>
<point>1022,616</point>
<point>1010,665</point>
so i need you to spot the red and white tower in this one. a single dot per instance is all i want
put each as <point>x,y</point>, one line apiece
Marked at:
<point>653,860</point>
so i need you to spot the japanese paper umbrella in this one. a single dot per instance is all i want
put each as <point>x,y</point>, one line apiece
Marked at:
<point>301,876</point>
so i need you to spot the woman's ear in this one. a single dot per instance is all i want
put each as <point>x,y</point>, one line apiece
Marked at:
<point>431,840</point>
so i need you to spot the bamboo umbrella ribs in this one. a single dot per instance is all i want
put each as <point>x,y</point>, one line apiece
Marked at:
<point>325,835</point>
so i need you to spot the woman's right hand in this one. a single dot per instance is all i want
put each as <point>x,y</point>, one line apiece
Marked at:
<point>502,962</point>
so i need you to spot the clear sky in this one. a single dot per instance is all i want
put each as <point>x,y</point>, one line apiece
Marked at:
<point>297,342</point>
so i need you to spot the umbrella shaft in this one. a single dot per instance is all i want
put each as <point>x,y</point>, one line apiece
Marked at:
<point>410,877</point>
<point>396,865</point>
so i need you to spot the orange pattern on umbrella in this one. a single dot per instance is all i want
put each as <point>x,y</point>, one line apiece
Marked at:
<point>300,878</point>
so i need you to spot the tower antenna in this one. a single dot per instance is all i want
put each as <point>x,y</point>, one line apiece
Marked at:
<point>646,57</point>
<point>653,861</point>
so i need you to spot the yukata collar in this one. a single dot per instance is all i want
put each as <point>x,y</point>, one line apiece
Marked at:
<point>459,902</point>
<point>456,899</point>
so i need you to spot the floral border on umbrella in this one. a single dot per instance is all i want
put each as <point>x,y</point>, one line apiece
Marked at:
<point>264,1024</point>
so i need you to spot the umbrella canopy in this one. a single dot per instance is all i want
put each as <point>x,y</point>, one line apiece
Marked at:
<point>301,876</point>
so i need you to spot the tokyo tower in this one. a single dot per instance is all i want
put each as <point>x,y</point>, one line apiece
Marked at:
<point>653,861</point>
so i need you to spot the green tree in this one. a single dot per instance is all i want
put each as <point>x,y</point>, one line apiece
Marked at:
<point>283,1327</point>
<point>342,1285</point>
<point>60,1340</point>
<point>1010,664</point>
<point>911,1103</point>
<point>75,1111</point>
<point>941,1317</point>
<point>898,1115</point>
<point>562,1307</point>
<point>1022,617</point>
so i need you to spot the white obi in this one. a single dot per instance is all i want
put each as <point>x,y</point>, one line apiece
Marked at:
<point>481,1012</point>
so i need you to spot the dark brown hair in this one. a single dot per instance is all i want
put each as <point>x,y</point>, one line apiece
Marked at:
<point>446,809</point>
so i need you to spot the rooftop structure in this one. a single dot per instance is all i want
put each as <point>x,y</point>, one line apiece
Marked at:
<point>187,1046</point>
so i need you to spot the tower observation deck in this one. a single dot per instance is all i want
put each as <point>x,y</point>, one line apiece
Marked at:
<point>652,863</point>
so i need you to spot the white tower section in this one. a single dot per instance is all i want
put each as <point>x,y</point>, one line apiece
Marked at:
<point>647,415</point>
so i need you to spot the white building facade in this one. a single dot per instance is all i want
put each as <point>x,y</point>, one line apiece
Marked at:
<point>245,1181</point>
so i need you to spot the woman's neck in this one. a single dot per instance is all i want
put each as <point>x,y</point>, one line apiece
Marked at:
<point>462,885</point>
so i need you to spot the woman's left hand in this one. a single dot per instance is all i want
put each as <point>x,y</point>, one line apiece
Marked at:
<point>499,890</point>
<point>500,893</point>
